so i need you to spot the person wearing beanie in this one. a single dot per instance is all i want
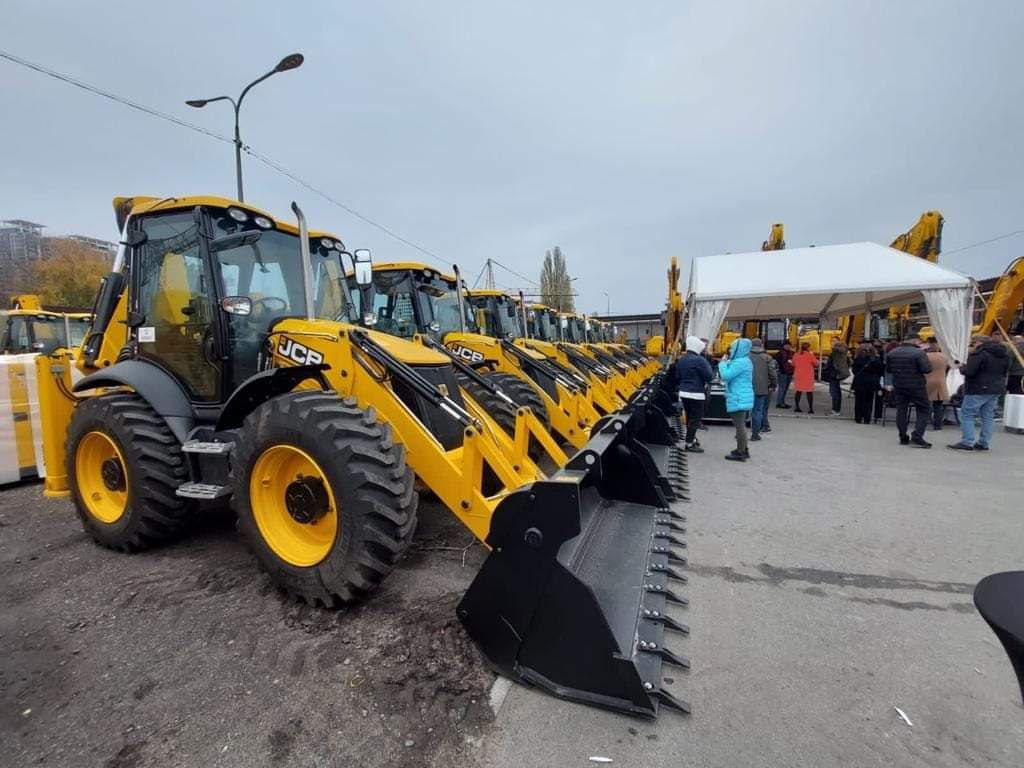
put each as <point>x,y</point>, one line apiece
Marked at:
<point>694,374</point>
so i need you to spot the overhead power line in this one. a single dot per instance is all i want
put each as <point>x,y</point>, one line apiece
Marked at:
<point>984,242</point>
<point>513,271</point>
<point>219,137</point>
<point>113,97</point>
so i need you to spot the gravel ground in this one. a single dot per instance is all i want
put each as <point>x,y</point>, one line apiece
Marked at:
<point>188,655</point>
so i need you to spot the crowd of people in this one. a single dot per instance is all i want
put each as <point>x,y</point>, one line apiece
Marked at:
<point>908,375</point>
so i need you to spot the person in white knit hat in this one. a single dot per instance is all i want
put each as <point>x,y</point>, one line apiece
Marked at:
<point>694,373</point>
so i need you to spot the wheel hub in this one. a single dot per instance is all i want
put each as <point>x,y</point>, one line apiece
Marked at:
<point>306,500</point>
<point>113,474</point>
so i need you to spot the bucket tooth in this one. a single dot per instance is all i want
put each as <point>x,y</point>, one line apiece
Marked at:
<point>668,700</point>
<point>665,620</point>
<point>672,540</point>
<point>671,524</point>
<point>669,572</point>
<point>666,655</point>
<point>669,555</point>
<point>672,513</point>
<point>668,594</point>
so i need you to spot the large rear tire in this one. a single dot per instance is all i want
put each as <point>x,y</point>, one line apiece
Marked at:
<point>124,465</point>
<point>323,496</point>
<point>499,409</point>
<point>524,394</point>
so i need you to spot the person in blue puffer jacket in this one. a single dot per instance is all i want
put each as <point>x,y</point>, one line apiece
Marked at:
<point>737,373</point>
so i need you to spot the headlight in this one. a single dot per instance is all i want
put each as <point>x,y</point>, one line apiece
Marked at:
<point>238,214</point>
<point>263,222</point>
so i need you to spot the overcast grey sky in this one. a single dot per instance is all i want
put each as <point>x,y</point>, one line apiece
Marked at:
<point>625,133</point>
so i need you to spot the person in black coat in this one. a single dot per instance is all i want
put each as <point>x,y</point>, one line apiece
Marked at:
<point>867,370</point>
<point>906,366</point>
<point>695,376</point>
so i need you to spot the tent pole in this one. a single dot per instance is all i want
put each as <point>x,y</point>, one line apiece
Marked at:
<point>821,346</point>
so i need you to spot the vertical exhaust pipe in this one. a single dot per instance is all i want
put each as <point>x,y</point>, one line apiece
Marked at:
<point>458,295</point>
<point>307,270</point>
<point>526,324</point>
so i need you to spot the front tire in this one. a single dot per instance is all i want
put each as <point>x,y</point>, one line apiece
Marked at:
<point>323,496</point>
<point>124,465</point>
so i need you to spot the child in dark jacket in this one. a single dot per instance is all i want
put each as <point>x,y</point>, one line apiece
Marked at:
<point>694,375</point>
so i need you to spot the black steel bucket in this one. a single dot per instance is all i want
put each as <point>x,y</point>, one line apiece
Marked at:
<point>573,597</point>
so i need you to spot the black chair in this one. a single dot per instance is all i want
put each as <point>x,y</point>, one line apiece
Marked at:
<point>1000,601</point>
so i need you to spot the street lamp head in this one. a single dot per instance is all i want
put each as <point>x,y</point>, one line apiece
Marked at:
<point>291,61</point>
<point>197,103</point>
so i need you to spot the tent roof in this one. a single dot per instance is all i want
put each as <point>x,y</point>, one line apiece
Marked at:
<point>823,280</point>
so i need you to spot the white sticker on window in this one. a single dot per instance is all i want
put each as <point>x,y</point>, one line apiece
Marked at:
<point>147,333</point>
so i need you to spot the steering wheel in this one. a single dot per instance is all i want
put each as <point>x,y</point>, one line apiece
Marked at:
<point>267,305</point>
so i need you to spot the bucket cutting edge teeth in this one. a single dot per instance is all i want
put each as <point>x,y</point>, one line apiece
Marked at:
<point>666,621</point>
<point>668,700</point>
<point>667,656</point>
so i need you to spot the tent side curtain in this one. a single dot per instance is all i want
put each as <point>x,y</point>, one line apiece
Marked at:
<point>706,318</point>
<point>951,311</point>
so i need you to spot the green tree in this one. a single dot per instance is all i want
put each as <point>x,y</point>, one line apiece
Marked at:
<point>69,274</point>
<point>555,283</point>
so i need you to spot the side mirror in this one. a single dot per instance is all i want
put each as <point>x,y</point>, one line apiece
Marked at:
<point>235,240</point>
<point>237,305</point>
<point>363,265</point>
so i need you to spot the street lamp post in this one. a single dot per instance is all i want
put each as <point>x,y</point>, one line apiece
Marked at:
<point>608,303</point>
<point>291,61</point>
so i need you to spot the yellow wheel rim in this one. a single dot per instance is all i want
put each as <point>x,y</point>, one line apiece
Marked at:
<point>102,477</point>
<point>293,505</point>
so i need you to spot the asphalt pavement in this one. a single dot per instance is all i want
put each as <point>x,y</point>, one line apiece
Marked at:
<point>830,584</point>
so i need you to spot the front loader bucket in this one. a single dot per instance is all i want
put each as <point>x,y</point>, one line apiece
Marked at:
<point>573,595</point>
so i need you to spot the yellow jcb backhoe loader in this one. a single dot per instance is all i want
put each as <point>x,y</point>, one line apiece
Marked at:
<point>226,365</point>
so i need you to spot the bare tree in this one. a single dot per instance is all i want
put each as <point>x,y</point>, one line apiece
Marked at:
<point>555,283</point>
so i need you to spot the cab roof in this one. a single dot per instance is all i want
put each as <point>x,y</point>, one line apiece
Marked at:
<point>139,204</point>
<point>415,266</point>
<point>489,292</point>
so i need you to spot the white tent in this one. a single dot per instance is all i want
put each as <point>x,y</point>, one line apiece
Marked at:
<point>827,281</point>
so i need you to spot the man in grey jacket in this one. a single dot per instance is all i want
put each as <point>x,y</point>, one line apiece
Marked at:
<point>766,379</point>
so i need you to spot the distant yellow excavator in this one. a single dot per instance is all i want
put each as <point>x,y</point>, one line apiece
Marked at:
<point>776,239</point>
<point>1002,316</point>
<point>775,331</point>
<point>669,343</point>
<point>923,240</point>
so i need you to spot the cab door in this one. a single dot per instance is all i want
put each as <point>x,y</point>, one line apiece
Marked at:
<point>174,303</point>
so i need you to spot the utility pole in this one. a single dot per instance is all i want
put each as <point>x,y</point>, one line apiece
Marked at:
<point>608,303</point>
<point>490,274</point>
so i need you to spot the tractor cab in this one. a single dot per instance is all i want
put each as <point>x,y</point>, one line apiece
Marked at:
<point>197,287</point>
<point>496,313</point>
<point>411,298</point>
<point>543,324</point>
<point>32,331</point>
